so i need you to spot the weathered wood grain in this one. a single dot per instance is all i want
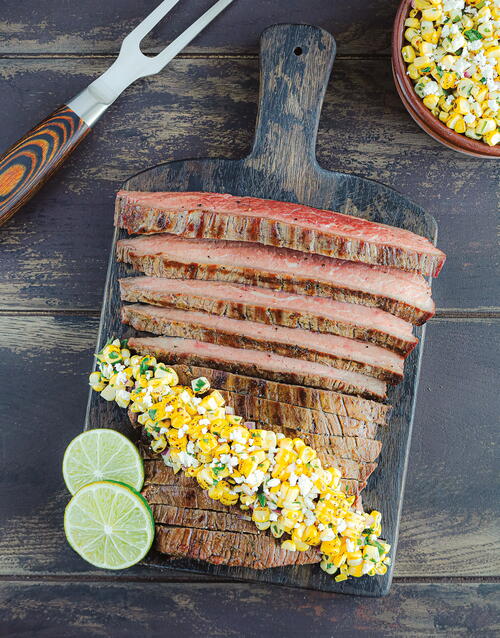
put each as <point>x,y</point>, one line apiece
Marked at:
<point>54,252</point>
<point>46,28</point>
<point>450,516</point>
<point>125,610</point>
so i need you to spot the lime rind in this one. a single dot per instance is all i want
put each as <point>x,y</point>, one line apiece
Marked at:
<point>102,454</point>
<point>109,524</point>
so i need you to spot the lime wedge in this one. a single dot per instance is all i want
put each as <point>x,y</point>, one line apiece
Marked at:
<point>103,454</point>
<point>109,524</point>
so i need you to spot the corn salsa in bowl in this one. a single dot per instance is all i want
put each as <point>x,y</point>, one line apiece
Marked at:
<point>446,60</point>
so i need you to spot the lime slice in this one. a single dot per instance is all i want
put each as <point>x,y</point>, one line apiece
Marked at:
<point>109,524</point>
<point>102,454</point>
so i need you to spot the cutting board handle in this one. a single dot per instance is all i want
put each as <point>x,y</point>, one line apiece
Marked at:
<point>295,63</point>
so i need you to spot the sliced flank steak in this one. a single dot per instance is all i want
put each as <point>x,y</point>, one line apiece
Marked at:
<point>229,548</point>
<point>163,486</point>
<point>272,307</point>
<point>260,364</point>
<point>328,401</point>
<point>404,294</point>
<point>268,413</point>
<point>328,350</point>
<point>280,224</point>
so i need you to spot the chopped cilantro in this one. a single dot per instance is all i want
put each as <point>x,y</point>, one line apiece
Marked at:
<point>472,34</point>
<point>216,469</point>
<point>456,19</point>
<point>426,69</point>
<point>483,80</point>
<point>261,497</point>
<point>143,368</point>
<point>378,546</point>
<point>439,71</point>
<point>152,413</point>
<point>124,343</point>
<point>114,355</point>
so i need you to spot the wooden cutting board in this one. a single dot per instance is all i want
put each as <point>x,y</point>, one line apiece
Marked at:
<point>296,62</point>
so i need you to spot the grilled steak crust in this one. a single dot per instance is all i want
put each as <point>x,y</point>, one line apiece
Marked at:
<point>229,548</point>
<point>266,413</point>
<point>260,364</point>
<point>330,402</point>
<point>190,524</point>
<point>406,295</point>
<point>276,308</point>
<point>278,224</point>
<point>329,350</point>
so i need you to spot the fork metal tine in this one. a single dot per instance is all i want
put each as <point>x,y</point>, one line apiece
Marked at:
<point>189,34</point>
<point>131,63</point>
<point>144,27</point>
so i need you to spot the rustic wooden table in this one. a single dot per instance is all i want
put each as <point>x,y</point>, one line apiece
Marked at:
<point>53,259</point>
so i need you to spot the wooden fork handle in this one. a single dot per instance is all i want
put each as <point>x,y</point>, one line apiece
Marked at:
<point>28,164</point>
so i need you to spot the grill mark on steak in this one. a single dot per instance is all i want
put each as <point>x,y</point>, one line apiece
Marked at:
<point>203,519</point>
<point>229,548</point>
<point>329,350</point>
<point>275,308</point>
<point>400,293</point>
<point>327,401</point>
<point>260,364</point>
<point>278,224</point>
<point>357,448</point>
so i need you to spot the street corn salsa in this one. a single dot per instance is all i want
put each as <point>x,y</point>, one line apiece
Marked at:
<point>452,53</point>
<point>280,480</point>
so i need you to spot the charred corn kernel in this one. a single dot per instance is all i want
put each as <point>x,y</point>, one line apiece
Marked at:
<point>471,132</point>
<point>483,127</point>
<point>412,22</point>
<point>411,33</point>
<point>413,72</point>
<point>493,52</point>
<point>431,101</point>
<point>422,62</point>
<point>462,105</point>
<point>449,80</point>
<point>432,14</point>
<point>464,87</point>
<point>492,138</point>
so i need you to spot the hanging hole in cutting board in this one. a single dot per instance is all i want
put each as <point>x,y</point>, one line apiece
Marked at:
<point>298,51</point>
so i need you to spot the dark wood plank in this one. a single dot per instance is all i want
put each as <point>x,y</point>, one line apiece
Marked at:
<point>56,610</point>
<point>54,252</point>
<point>450,516</point>
<point>97,28</point>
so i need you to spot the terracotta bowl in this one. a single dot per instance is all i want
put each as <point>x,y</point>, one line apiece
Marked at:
<point>415,107</point>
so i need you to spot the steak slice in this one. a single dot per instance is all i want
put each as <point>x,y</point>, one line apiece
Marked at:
<point>356,448</point>
<point>328,350</point>
<point>204,519</point>
<point>218,534</point>
<point>404,294</point>
<point>229,548</point>
<point>327,401</point>
<point>161,487</point>
<point>281,224</point>
<point>259,364</point>
<point>266,413</point>
<point>272,307</point>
